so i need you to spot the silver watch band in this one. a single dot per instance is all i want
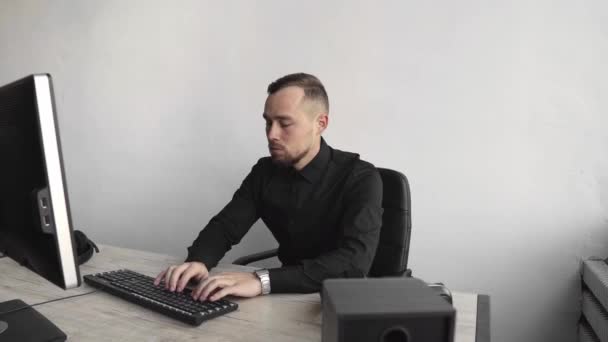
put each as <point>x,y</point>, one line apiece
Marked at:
<point>264,277</point>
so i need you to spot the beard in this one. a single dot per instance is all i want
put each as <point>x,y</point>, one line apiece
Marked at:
<point>288,160</point>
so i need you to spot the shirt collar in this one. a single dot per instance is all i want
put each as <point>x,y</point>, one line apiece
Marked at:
<point>313,171</point>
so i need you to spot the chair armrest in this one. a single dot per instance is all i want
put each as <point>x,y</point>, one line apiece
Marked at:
<point>248,259</point>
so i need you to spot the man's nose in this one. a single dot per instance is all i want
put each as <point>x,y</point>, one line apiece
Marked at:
<point>272,132</point>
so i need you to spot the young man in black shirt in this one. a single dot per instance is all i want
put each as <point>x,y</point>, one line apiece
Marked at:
<point>324,206</point>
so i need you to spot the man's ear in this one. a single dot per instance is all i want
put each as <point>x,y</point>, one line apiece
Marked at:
<point>322,122</point>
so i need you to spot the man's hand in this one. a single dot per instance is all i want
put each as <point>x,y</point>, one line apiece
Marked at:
<point>176,277</point>
<point>242,284</point>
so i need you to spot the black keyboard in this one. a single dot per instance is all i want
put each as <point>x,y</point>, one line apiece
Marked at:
<point>140,289</point>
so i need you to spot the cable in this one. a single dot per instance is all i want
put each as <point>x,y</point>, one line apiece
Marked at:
<point>48,301</point>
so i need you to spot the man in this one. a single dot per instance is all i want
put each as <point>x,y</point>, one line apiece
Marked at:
<point>322,205</point>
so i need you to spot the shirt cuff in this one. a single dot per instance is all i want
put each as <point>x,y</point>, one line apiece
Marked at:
<point>290,279</point>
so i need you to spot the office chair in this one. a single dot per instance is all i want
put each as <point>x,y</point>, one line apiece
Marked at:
<point>394,244</point>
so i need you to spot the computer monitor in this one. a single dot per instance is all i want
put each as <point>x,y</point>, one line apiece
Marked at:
<point>35,223</point>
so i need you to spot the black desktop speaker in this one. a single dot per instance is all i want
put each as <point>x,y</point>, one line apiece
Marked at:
<point>385,310</point>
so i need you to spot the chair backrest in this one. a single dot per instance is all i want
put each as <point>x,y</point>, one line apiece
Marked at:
<point>394,245</point>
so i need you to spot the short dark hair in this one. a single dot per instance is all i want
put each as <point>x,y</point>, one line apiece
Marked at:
<point>312,86</point>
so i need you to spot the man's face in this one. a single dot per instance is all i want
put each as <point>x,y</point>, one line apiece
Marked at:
<point>291,126</point>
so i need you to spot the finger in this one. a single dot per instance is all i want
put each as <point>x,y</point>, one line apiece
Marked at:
<point>209,286</point>
<point>189,273</point>
<point>199,289</point>
<point>228,290</point>
<point>214,285</point>
<point>159,277</point>
<point>196,293</point>
<point>168,275</point>
<point>203,275</point>
<point>175,275</point>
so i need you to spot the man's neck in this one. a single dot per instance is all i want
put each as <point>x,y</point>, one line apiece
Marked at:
<point>312,153</point>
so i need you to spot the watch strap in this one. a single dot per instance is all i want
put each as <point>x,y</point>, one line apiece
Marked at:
<point>264,277</point>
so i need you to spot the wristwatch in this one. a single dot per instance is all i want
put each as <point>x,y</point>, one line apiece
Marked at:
<point>264,277</point>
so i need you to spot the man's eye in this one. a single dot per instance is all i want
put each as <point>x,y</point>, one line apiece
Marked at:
<point>283,125</point>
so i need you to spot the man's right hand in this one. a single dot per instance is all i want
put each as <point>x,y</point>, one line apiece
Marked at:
<point>176,277</point>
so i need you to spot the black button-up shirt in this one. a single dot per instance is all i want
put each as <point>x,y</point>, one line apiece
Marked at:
<point>326,218</point>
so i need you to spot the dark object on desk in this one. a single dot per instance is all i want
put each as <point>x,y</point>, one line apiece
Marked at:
<point>394,245</point>
<point>140,289</point>
<point>482,325</point>
<point>442,291</point>
<point>385,310</point>
<point>27,325</point>
<point>84,247</point>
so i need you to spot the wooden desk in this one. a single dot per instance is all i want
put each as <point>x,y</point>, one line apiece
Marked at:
<point>103,317</point>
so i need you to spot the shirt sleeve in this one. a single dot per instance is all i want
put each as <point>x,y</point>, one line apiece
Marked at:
<point>360,231</point>
<point>228,227</point>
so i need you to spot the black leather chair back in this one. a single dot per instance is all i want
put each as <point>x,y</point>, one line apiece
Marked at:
<point>394,245</point>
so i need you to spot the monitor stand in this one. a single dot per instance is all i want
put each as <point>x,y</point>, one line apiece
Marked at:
<point>24,323</point>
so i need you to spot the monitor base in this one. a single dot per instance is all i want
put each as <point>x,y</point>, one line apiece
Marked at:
<point>19,322</point>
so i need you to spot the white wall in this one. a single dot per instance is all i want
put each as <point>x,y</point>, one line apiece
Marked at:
<point>496,111</point>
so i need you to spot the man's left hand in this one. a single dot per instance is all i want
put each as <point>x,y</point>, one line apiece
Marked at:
<point>242,284</point>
